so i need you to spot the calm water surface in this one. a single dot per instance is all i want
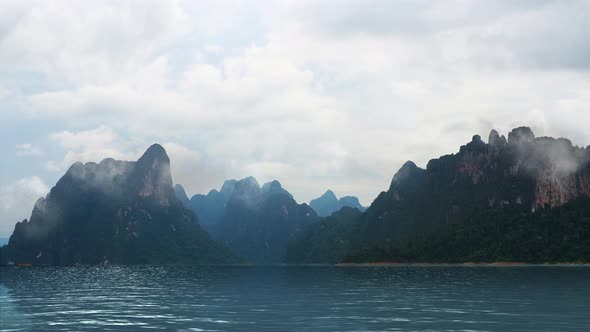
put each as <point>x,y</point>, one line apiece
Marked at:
<point>401,298</point>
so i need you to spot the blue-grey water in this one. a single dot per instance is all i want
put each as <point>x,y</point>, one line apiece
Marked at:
<point>400,298</point>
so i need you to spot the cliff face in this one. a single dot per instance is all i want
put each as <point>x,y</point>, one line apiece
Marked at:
<point>522,170</point>
<point>522,173</point>
<point>117,212</point>
<point>563,174</point>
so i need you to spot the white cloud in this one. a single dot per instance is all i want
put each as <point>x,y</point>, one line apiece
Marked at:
<point>98,137</point>
<point>4,92</point>
<point>90,145</point>
<point>323,96</point>
<point>17,200</point>
<point>192,170</point>
<point>85,42</point>
<point>27,150</point>
<point>189,167</point>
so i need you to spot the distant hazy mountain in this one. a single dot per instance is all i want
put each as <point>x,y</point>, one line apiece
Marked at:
<point>115,211</point>
<point>209,208</point>
<point>256,222</point>
<point>259,222</point>
<point>328,203</point>
<point>521,198</point>
<point>181,195</point>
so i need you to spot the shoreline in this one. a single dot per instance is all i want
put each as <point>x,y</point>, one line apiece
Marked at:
<point>368,264</point>
<point>499,264</point>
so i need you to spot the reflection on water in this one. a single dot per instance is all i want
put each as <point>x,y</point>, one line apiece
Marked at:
<point>401,298</point>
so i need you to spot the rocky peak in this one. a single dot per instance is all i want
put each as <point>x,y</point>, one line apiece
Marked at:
<point>409,175</point>
<point>228,186</point>
<point>329,195</point>
<point>495,140</point>
<point>521,135</point>
<point>246,190</point>
<point>154,153</point>
<point>155,163</point>
<point>351,201</point>
<point>404,172</point>
<point>152,175</point>
<point>248,184</point>
<point>211,193</point>
<point>181,194</point>
<point>271,186</point>
<point>274,187</point>
<point>328,203</point>
<point>106,176</point>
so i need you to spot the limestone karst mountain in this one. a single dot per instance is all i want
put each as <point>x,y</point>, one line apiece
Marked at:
<point>114,212</point>
<point>470,195</point>
<point>256,222</point>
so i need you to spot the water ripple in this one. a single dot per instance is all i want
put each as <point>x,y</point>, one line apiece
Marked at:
<point>119,298</point>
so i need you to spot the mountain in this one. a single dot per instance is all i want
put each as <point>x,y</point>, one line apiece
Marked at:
<point>274,187</point>
<point>209,208</point>
<point>259,222</point>
<point>326,241</point>
<point>114,211</point>
<point>558,234</point>
<point>328,203</point>
<point>522,178</point>
<point>181,195</point>
<point>256,222</point>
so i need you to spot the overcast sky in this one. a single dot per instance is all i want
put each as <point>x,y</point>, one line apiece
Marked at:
<point>316,94</point>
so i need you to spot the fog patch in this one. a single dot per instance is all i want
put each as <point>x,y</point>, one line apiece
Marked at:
<point>16,200</point>
<point>107,176</point>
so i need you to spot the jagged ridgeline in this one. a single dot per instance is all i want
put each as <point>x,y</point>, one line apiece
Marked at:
<point>256,222</point>
<point>328,203</point>
<point>521,198</point>
<point>516,199</point>
<point>117,212</point>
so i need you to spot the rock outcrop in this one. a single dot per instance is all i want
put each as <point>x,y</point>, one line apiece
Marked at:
<point>114,212</point>
<point>523,173</point>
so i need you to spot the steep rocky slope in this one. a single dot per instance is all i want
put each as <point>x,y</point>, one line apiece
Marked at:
<point>114,212</point>
<point>522,174</point>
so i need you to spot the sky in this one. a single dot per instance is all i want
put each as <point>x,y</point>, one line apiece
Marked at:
<point>316,94</point>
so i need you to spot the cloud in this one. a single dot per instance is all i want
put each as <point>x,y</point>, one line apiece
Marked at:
<point>189,167</point>
<point>88,138</point>
<point>17,200</point>
<point>498,33</point>
<point>316,95</point>
<point>192,170</point>
<point>27,150</point>
<point>90,145</point>
<point>85,42</point>
<point>4,92</point>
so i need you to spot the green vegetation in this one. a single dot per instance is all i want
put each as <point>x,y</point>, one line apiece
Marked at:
<point>114,212</point>
<point>327,240</point>
<point>561,234</point>
<point>474,205</point>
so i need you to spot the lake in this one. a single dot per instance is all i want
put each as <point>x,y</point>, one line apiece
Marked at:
<point>290,298</point>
